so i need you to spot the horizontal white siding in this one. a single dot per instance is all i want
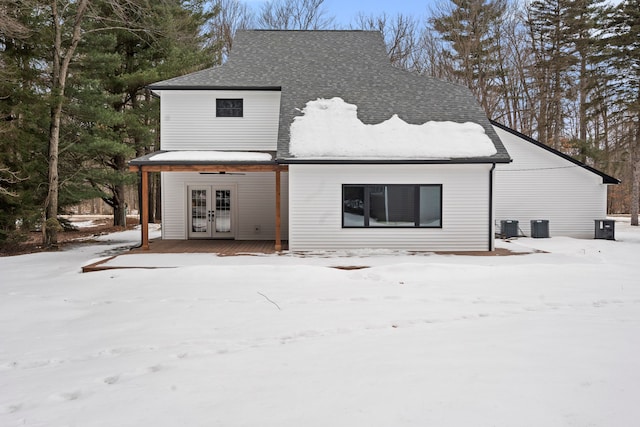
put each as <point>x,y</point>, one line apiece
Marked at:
<point>541,185</point>
<point>255,203</point>
<point>189,122</point>
<point>315,207</point>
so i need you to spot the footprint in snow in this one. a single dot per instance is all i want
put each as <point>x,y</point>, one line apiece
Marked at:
<point>36,364</point>
<point>112,379</point>
<point>74,395</point>
<point>9,365</point>
<point>10,409</point>
<point>68,396</point>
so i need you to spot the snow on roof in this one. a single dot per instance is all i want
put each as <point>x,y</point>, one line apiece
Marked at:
<point>211,156</point>
<point>330,128</point>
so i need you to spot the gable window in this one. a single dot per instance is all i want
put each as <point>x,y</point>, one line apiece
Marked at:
<point>392,205</point>
<point>228,107</point>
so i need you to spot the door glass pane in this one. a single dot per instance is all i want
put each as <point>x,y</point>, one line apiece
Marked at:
<point>353,205</point>
<point>430,206</point>
<point>223,211</point>
<point>199,210</point>
<point>391,206</point>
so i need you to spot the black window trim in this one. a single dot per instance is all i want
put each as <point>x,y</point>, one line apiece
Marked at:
<point>219,109</point>
<point>366,207</point>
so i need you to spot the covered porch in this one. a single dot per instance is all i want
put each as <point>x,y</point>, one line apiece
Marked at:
<point>146,165</point>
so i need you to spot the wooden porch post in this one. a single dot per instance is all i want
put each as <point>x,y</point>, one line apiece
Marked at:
<point>278,247</point>
<point>144,205</point>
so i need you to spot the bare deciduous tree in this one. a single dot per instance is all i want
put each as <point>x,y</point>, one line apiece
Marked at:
<point>400,36</point>
<point>67,20</point>
<point>63,52</point>
<point>232,15</point>
<point>294,15</point>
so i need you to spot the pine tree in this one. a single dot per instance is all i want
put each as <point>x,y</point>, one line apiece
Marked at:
<point>23,117</point>
<point>547,21</point>
<point>469,27</point>
<point>624,58</point>
<point>112,110</point>
<point>582,32</point>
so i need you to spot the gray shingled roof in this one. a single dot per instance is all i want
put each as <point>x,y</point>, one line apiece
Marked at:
<point>352,65</point>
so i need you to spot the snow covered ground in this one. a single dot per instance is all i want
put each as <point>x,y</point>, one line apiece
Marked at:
<point>540,339</point>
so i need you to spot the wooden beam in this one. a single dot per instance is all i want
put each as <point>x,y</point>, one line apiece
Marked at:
<point>144,205</point>
<point>278,247</point>
<point>209,168</point>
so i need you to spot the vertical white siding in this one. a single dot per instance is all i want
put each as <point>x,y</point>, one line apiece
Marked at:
<point>315,207</point>
<point>255,203</point>
<point>541,185</point>
<point>189,122</point>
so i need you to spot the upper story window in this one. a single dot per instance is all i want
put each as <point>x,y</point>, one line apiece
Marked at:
<point>228,107</point>
<point>392,205</point>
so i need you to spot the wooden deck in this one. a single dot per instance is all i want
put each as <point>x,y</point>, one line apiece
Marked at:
<point>219,247</point>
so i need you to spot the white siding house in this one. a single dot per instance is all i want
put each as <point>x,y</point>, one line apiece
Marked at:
<point>189,122</point>
<point>314,138</point>
<point>543,184</point>
<point>316,207</point>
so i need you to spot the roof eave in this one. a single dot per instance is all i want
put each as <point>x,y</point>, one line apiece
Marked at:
<point>334,161</point>
<point>606,179</point>
<point>215,87</point>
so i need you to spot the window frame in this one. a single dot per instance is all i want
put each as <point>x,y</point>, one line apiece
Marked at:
<point>367,201</point>
<point>220,109</point>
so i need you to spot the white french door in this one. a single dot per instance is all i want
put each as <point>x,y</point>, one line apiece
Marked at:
<point>211,211</point>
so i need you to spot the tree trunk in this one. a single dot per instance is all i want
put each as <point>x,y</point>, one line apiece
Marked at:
<point>51,225</point>
<point>635,176</point>
<point>635,193</point>
<point>119,206</point>
<point>60,69</point>
<point>119,196</point>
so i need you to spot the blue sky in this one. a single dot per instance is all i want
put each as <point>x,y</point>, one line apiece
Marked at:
<point>345,11</point>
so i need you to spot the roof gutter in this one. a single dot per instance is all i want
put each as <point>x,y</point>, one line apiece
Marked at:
<point>290,161</point>
<point>491,232</point>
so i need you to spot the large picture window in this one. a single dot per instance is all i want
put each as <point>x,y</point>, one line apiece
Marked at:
<point>393,205</point>
<point>228,107</point>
